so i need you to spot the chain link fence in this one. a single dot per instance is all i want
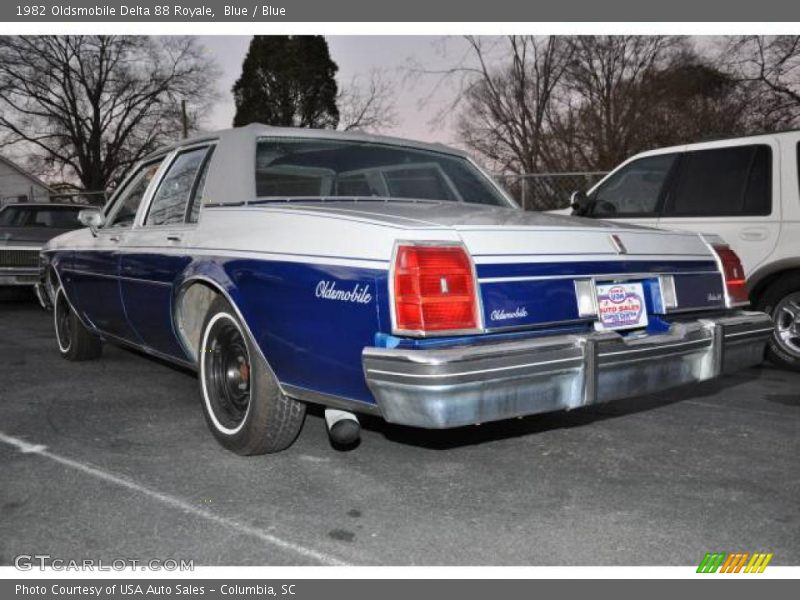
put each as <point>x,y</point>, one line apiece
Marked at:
<point>78,197</point>
<point>546,191</point>
<point>533,191</point>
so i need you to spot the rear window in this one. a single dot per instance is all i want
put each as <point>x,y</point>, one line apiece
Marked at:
<point>733,181</point>
<point>34,216</point>
<point>309,168</point>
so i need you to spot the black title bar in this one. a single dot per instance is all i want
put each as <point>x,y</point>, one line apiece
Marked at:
<point>406,11</point>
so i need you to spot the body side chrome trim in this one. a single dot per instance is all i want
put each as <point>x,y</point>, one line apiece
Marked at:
<point>117,277</point>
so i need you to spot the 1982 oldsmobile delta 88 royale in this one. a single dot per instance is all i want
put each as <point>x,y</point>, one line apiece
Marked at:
<point>382,276</point>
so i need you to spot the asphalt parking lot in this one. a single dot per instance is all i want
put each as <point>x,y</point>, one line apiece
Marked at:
<point>112,459</point>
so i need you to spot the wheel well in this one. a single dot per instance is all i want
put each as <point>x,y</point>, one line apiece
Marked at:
<point>767,281</point>
<point>191,307</point>
<point>51,284</point>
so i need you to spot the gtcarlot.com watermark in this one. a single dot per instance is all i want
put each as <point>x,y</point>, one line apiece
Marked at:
<point>42,562</point>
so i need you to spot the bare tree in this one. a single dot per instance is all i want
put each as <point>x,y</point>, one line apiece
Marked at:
<point>768,67</point>
<point>368,105</point>
<point>506,108</point>
<point>503,93</point>
<point>89,106</point>
<point>603,96</point>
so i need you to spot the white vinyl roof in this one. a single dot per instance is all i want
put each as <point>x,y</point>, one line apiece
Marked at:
<point>231,175</point>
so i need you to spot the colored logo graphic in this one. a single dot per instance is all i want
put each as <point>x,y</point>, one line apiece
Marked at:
<point>620,307</point>
<point>735,562</point>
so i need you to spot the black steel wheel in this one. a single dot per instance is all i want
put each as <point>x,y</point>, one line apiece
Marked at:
<point>243,404</point>
<point>227,373</point>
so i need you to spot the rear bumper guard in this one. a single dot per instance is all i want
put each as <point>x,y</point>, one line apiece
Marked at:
<point>442,388</point>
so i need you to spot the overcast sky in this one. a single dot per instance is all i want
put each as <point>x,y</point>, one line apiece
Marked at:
<point>357,55</point>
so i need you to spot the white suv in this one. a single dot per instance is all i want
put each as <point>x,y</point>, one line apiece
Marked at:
<point>746,190</point>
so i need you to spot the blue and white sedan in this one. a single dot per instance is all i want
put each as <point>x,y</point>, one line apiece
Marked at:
<point>377,275</point>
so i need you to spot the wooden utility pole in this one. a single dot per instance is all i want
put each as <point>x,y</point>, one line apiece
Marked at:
<point>184,120</point>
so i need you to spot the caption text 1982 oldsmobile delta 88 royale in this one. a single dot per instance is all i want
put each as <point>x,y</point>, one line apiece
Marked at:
<point>382,276</point>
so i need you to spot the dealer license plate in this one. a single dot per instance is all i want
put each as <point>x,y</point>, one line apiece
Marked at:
<point>621,306</point>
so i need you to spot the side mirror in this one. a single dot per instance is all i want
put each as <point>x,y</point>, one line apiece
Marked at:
<point>93,218</point>
<point>579,202</point>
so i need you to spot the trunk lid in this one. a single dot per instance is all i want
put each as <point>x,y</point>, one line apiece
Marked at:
<point>531,276</point>
<point>528,264</point>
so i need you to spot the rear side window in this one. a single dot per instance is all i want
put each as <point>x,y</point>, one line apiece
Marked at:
<point>723,182</point>
<point>170,202</point>
<point>635,189</point>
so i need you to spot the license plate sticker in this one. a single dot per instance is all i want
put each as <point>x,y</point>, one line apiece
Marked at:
<point>621,306</point>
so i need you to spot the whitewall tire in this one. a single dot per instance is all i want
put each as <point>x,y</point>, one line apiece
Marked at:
<point>242,402</point>
<point>74,341</point>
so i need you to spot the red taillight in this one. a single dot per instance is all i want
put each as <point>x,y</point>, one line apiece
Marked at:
<point>434,289</point>
<point>733,272</point>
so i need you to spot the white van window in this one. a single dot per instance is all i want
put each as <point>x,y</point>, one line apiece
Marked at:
<point>635,189</point>
<point>733,181</point>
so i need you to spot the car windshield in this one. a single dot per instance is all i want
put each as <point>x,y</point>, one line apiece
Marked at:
<point>61,217</point>
<point>309,168</point>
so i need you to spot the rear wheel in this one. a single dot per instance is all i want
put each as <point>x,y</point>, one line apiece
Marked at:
<point>75,342</point>
<point>781,301</point>
<point>244,406</point>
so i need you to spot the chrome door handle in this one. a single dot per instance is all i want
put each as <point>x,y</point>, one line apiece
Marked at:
<point>174,238</point>
<point>753,234</point>
<point>113,238</point>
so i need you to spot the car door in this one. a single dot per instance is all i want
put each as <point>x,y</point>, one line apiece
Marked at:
<point>94,272</point>
<point>729,191</point>
<point>634,193</point>
<point>155,251</point>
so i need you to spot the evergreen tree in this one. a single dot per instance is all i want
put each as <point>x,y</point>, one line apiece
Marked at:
<point>287,81</point>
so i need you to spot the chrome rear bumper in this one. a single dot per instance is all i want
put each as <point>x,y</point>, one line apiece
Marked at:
<point>464,385</point>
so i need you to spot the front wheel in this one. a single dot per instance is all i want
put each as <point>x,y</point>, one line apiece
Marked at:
<point>75,342</point>
<point>781,301</point>
<point>242,402</point>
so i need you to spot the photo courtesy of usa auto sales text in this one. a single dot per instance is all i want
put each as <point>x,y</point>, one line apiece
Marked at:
<point>152,590</point>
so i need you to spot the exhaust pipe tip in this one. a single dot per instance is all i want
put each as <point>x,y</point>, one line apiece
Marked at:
<point>343,427</point>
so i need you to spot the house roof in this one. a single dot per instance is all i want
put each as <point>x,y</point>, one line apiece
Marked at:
<point>24,173</point>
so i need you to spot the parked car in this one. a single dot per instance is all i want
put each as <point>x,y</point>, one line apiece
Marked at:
<point>24,229</point>
<point>746,190</point>
<point>377,275</point>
